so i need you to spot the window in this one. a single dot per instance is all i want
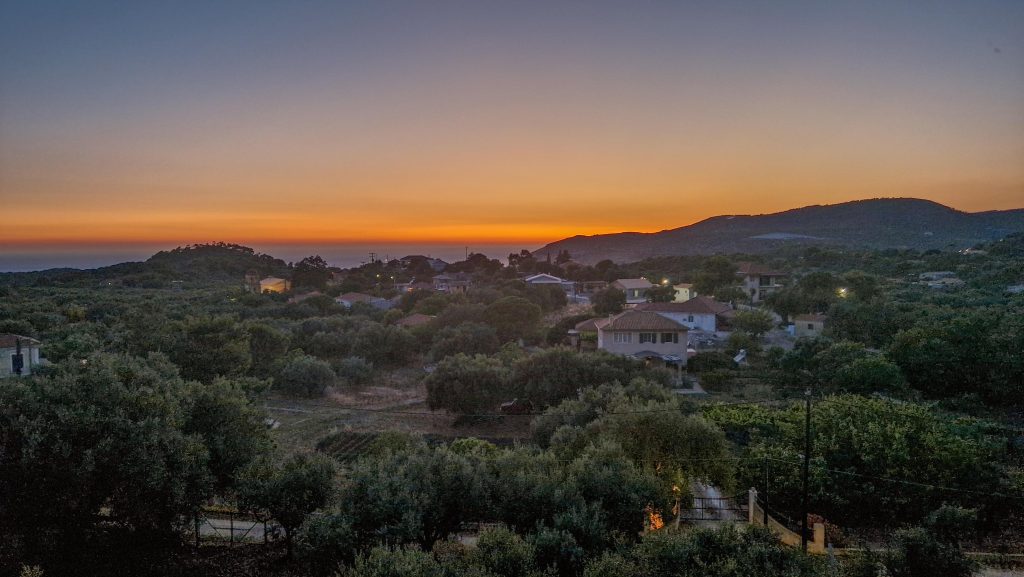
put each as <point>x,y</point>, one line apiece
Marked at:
<point>810,326</point>
<point>624,337</point>
<point>690,319</point>
<point>648,338</point>
<point>669,338</point>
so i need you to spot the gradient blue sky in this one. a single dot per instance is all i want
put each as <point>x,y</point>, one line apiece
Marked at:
<point>493,122</point>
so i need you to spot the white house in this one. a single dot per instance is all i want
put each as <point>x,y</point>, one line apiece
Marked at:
<point>810,325</point>
<point>635,289</point>
<point>452,283</point>
<point>348,299</point>
<point>547,279</point>
<point>758,281</point>
<point>9,346</point>
<point>699,313</point>
<point>643,334</point>
<point>684,292</point>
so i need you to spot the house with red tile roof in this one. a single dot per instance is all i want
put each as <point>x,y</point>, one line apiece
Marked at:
<point>758,280</point>
<point>643,334</point>
<point>698,313</point>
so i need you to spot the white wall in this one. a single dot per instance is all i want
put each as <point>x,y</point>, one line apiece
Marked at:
<point>699,322</point>
<point>30,354</point>
<point>606,341</point>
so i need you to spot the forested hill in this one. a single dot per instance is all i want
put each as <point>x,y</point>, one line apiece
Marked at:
<point>200,264</point>
<point>875,223</point>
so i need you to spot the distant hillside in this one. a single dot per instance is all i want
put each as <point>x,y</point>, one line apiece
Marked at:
<point>194,265</point>
<point>875,223</point>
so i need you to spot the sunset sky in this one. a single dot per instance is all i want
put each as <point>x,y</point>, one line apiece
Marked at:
<point>502,122</point>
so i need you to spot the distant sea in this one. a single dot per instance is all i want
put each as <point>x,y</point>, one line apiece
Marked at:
<point>22,258</point>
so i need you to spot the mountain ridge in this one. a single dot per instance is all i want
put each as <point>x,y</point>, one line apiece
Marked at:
<point>869,223</point>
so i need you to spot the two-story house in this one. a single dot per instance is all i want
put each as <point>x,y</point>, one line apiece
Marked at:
<point>635,289</point>
<point>758,280</point>
<point>643,334</point>
<point>454,283</point>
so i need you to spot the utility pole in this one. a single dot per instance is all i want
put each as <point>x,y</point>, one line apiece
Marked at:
<point>18,361</point>
<point>807,467</point>
<point>764,507</point>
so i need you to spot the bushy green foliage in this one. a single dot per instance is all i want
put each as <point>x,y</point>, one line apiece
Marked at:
<point>592,403</point>
<point>608,301</point>
<point>709,361</point>
<point>916,552</point>
<point>467,338</point>
<point>384,346</point>
<point>354,370</point>
<point>716,273</point>
<point>513,318</point>
<point>119,435</point>
<point>311,272</point>
<point>210,347</point>
<point>267,346</point>
<point>464,384</point>
<point>304,375</point>
<point>858,439</point>
<point>754,322</point>
<point>555,374</point>
<point>724,552</point>
<point>287,491</point>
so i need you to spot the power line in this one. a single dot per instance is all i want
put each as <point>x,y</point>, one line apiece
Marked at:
<point>891,407</point>
<point>387,411</point>
<point>901,481</point>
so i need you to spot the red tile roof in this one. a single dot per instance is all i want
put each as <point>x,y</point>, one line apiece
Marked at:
<point>634,320</point>
<point>8,340</point>
<point>755,269</point>
<point>634,283</point>
<point>696,305</point>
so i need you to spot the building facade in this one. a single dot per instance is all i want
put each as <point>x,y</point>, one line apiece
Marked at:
<point>699,313</point>
<point>759,281</point>
<point>635,289</point>
<point>643,334</point>
<point>10,345</point>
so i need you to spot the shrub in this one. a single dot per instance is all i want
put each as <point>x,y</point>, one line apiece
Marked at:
<point>354,370</point>
<point>709,361</point>
<point>305,375</point>
<point>464,384</point>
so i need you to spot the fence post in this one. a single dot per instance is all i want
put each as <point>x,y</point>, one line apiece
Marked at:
<point>751,501</point>
<point>196,519</point>
<point>231,528</point>
<point>265,539</point>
